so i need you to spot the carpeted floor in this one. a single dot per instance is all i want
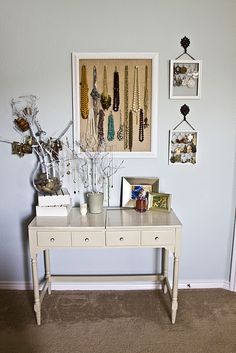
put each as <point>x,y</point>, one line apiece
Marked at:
<point>119,321</point>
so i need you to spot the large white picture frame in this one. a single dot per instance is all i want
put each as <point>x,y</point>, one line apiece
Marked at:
<point>78,58</point>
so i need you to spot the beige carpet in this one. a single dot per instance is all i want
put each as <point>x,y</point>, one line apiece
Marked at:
<point>115,322</point>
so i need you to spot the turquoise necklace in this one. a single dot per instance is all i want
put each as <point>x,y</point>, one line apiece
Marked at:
<point>111,128</point>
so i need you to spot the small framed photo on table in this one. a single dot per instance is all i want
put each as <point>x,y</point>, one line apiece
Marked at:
<point>160,202</point>
<point>185,79</point>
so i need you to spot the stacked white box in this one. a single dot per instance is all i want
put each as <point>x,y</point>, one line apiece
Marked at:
<point>54,205</point>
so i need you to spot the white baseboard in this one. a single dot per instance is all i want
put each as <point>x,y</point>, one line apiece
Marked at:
<point>137,285</point>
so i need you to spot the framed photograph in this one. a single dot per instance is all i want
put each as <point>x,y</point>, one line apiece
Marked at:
<point>115,98</point>
<point>183,147</point>
<point>185,79</point>
<point>160,202</point>
<point>131,187</point>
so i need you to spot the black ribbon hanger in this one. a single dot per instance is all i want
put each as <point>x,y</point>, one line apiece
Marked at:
<point>185,42</point>
<point>184,111</point>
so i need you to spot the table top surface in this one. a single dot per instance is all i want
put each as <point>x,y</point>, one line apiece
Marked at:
<point>110,218</point>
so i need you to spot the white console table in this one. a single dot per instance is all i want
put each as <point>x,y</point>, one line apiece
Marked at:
<point>114,228</point>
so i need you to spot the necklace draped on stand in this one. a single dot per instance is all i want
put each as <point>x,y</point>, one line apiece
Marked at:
<point>116,91</point>
<point>126,108</point>
<point>111,128</point>
<point>96,96</point>
<point>136,94</point>
<point>105,98</point>
<point>84,100</point>
<point>145,100</point>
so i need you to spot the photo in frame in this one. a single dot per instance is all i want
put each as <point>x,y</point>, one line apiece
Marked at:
<point>183,145</point>
<point>132,186</point>
<point>185,79</point>
<point>160,202</point>
<point>107,88</point>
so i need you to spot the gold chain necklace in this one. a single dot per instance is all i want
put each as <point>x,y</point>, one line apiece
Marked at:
<point>126,108</point>
<point>136,94</point>
<point>84,100</point>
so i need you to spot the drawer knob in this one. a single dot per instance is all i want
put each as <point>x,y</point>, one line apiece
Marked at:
<point>86,240</point>
<point>121,239</point>
<point>156,238</point>
<point>52,240</point>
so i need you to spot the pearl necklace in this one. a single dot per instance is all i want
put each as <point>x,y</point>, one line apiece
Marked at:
<point>136,94</point>
<point>126,108</point>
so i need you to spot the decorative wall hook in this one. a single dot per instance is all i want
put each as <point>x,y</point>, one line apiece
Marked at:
<point>185,43</point>
<point>184,110</point>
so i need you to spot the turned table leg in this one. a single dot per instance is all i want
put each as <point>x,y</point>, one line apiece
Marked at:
<point>165,259</point>
<point>175,289</point>
<point>47,269</point>
<point>37,305</point>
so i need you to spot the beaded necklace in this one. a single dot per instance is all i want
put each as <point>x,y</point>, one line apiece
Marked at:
<point>130,130</point>
<point>126,108</point>
<point>101,138</point>
<point>111,128</point>
<point>105,98</point>
<point>95,95</point>
<point>141,134</point>
<point>145,100</point>
<point>84,100</point>
<point>116,91</point>
<point>120,132</point>
<point>136,94</point>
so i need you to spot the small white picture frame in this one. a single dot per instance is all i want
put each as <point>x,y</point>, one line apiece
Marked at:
<point>183,147</point>
<point>185,79</point>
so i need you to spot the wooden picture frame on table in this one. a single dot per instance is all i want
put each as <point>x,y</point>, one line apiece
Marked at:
<point>160,202</point>
<point>130,185</point>
<point>141,82</point>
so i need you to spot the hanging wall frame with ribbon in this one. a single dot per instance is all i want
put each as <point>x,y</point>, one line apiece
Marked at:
<point>185,75</point>
<point>183,143</point>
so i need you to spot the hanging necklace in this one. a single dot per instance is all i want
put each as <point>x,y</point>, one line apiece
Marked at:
<point>116,91</point>
<point>95,95</point>
<point>84,100</point>
<point>90,134</point>
<point>136,94</point>
<point>141,134</point>
<point>130,130</point>
<point>101,139</point>
<point>120,132</point>
<point>111,128</point>
<point>126,108</point>
<point>105,98</point>
<point>145,100</point>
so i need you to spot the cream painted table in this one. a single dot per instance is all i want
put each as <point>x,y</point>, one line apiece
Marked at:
<point>114,228</point>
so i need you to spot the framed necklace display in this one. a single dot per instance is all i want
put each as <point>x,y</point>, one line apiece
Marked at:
<point>115,100</point>
<point>185,79</point>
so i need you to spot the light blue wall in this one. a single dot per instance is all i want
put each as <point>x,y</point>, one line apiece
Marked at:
<point>37,38</point>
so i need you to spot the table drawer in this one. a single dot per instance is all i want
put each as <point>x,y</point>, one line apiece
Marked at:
<point>87,239</point>
<point>123,238</point>
<point>158,237</point>
<point>54,239</point>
